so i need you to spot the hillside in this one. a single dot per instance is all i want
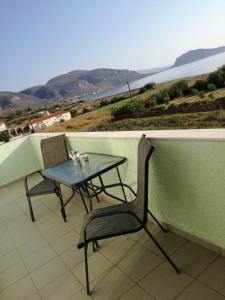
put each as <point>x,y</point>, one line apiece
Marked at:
<point>16,101</point>
<point>196,54</point>
<point>81,82</point>
<point>194,102</point>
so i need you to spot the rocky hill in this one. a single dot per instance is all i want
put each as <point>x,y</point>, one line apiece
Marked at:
<point>81,82</point>
<point>197,54</point>
<point>16,101</point>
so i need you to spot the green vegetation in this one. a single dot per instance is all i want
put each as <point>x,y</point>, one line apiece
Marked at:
<point>4,136</point>
<point>212,119</point>
<point>147,87</point>
<point>179,89</point>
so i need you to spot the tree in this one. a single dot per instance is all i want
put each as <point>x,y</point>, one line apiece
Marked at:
<point>4,136</point>
<point>200,85</point>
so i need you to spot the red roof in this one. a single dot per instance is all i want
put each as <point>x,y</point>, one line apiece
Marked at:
<point>57,113</point>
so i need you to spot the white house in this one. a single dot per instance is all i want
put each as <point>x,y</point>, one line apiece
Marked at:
<point>2,126</point>
<point>48,120</point>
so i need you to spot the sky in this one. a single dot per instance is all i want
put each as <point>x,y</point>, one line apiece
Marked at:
<point>41,39</point>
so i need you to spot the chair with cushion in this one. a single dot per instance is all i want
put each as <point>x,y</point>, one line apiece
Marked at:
<point>54,151</point>
<point>125,218</point>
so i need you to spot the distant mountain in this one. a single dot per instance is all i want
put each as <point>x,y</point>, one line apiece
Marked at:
<point>153,70</point>
<point>16,101</point>
<point>81,82</point>
<point>197,54</point>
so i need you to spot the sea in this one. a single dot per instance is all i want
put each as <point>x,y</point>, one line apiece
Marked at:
<point>198,67</point>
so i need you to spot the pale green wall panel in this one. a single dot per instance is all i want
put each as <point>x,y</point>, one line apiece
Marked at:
<point>17,158</point>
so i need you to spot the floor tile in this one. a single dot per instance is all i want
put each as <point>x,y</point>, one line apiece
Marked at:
<point>199,291</point>
<point>9,259</point>
<point>22,289</point>
<point>168,241</point>
<point>111,285</point>
<point>126,267</point>
<point>139,262</point>
<point>141,235</point>
<point>39,258</point>
<point>136,293</point>
<point>193,259</point>
<point>117,248</point>
<point>164,283</point>
<point>32,247</point>
<point>214,275</point>
<point>97,264</point>
<point>35,296</point>
<point>46,224</point>
<point>65,242</point>
<point>6,245</point>
<point>80,295</point>
<point>63,287</point>
<point>56,232</point>
<point>72,257</point>
<point>12,274</point>
<point>48,273</point>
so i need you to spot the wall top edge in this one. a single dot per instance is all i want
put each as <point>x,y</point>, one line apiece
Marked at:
<point>180,134</point>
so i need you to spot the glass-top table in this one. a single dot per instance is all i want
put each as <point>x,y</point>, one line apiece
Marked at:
<point>78,176</point>
<point>71,173</point>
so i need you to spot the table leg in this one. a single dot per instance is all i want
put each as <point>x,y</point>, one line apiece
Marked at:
<point>82,198</point>
<point>89,196</point>
<point>59,192</point>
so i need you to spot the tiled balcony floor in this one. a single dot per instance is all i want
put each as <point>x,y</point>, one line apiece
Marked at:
<point>40,260</point>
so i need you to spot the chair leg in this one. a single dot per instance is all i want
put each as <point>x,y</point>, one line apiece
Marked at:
<point>162,250</point>
<point>31,209</point>
<point>96,244</point>
<point>86,268</point>
<point>160,225</point>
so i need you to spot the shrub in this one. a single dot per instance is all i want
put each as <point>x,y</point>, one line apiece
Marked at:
<point>149,85</point>
<point>218,77</point>
<point>146,87</point>
<point>4,136</point>
<point>182,85</point>
<point>151,102</point>
<point>73,113</point>
<point>201,94</point>
<point>127,108</point>
<point>211,96</point>
<point>193,92</point>
<point>103,103</point>
<point>200,85</point>
<point>115,100</point>
<point>85,110</point>
<point>211,87</point>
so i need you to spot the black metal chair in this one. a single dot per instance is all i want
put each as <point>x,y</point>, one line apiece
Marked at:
<point>124,218</point>
<point>54,151</point>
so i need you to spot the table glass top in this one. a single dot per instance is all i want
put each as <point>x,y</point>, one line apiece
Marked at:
<point>71,173</point>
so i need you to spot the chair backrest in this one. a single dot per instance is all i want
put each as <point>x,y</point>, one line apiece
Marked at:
<point>54,150</point>
<point>145,149</point>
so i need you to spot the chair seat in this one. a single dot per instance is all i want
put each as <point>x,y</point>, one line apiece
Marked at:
<point>43,187</point>
<point>108,222</point>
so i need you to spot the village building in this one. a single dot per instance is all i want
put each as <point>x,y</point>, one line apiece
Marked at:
<point>49,119</point>
<point>2,126</point>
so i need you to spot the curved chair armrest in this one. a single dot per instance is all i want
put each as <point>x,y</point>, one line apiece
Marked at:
<point>26,179</point>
